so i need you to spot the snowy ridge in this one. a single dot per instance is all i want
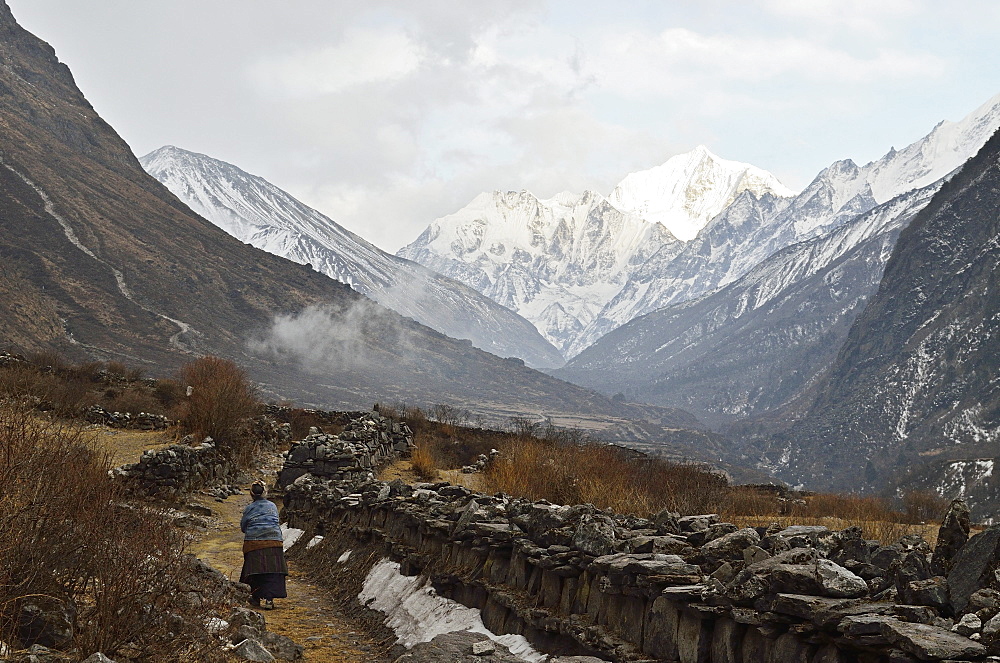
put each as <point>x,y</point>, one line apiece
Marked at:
<point>755,226</point>
<point>555,262</point>
<point>753,344</point>
<point>690,189</point>
<point>258,213</point>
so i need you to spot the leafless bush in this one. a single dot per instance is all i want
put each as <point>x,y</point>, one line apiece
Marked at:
<point>924,506</point>
<point>222,399</point>
<point>448,415</point>
<point>67,533</point>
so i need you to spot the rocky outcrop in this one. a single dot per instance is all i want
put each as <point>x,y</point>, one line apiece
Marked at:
<point>576,580</point>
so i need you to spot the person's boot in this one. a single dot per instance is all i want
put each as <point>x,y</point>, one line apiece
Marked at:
<point>269,604</point>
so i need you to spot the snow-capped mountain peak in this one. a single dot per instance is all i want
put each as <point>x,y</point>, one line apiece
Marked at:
<point>690,189</point>
<point>554,261</point>
<point>256,212</point>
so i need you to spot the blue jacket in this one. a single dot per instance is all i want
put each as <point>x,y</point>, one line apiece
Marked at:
<point>260,521</point>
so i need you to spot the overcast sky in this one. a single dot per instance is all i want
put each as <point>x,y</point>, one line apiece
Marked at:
<point>386,114</point>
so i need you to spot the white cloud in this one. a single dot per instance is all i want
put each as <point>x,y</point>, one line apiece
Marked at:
<point>362,56</point>
<point>868,17</point>
<point>676,60</point>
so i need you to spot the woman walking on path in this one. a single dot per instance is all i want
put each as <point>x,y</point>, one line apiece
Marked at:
<point>264,567</point>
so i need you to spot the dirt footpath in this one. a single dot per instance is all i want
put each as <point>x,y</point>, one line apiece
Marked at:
<point>310,616</point>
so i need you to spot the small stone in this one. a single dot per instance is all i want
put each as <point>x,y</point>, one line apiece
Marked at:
<point>251,650</point>
<point>755,554</point>
<point>483,648</point>
<point>97,657</point>
<point>968,625</point>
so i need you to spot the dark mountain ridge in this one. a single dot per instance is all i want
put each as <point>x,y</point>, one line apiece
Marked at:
<point>757,343</point>
<point>916,380</point>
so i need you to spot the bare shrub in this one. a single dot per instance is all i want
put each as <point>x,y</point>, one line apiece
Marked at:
<point>169,394</point>
<point>48,361</point>
<point>222,398</point>
<point>923,506</point>
<point>449,416</point>
<point>70,536</point>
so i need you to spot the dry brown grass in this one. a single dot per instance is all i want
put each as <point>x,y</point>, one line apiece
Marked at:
<point>424,463</point>
<point>564,467</point>
<point>607,477</point>
<point>877,517</point>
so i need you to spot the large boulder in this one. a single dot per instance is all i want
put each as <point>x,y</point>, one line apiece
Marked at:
<point>796,571</point>
<point>731,546</point>
<point>952,535</point>
<point>974,567</point>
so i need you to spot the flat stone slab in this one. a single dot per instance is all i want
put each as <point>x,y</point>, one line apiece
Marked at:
<point>928,643</point>
<point>826,612</point>
<point>803,530</point>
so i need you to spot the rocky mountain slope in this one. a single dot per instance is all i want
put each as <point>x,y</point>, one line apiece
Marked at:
<point>256,212</point>
<point>98,260</point>
<point>559,262</point>
<point>553,261</point>
<point>756,343</point>
<point>916,380</point>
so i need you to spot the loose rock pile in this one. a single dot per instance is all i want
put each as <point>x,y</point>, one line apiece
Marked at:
<point>669,587</point>
<point>481,463</point>
<point>350,456</point>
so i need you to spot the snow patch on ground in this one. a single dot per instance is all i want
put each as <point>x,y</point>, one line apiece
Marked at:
<point>416,613</point>
<point>289,536</point>
<point>344,557</point>
<point>314,541</point>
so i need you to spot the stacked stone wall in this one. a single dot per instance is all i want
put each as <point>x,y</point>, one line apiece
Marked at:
<point>577,580</point>
<point>182,468</point>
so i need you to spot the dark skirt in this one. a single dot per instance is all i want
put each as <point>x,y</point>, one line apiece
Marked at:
<point>265,570</point>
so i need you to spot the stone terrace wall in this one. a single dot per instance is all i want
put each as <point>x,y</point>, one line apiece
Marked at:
<point>182,468</point>
<point>577,580</point>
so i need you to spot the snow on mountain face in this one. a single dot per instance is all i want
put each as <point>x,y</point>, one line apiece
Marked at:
<point>749,230</point>
<point>945,148</point>
<point>258,213</point>
<point>689,190</point>
<point>755,343</point>
<point>556,262</point>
